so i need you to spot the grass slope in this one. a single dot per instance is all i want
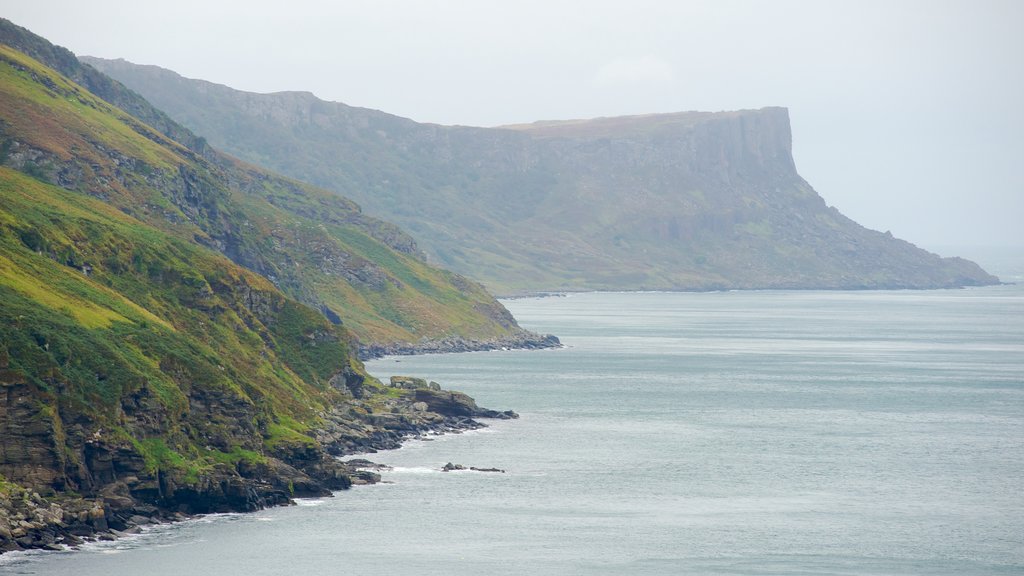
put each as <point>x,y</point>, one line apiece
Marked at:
<point>101,312</point>
<point>314,245</point>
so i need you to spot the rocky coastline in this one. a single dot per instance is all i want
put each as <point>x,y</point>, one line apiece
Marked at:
<point>30,520</point>
<point>521,341</point>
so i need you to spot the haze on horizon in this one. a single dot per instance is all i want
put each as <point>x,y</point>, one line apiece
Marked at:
<point>906,115</point>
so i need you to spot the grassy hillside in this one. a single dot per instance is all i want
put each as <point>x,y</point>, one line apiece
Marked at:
<point>98,305</point>
<point>158,353</point>
<point>144,374</point>
<point>122,343</point>
<point>315,246</point>
<point>692,200</point>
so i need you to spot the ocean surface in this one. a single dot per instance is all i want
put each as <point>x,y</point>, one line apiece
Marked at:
<point>676,433</point>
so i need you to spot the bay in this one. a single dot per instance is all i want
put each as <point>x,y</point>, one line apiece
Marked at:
<point>729,433</point>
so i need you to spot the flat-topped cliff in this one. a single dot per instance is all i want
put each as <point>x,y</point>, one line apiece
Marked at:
<point>684,201</point>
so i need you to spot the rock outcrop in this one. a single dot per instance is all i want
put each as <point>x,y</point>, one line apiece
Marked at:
<point>449,467</point>
<point>117,490</point>
<point>527,341</point>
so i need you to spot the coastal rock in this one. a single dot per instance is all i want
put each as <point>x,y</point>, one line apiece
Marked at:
<point>449,467</point>
<point>408,382</point>
<point>364,464</point>
<point>363,477</point>
<point>451,403</point>
<point>523,341</point>
<point>126,493</point>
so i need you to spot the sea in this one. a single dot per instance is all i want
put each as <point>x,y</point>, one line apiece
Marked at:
<point>769,432</point>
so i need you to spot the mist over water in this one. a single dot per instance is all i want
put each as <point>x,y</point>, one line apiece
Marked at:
<point>1002,261</point>
<point>732,433</point>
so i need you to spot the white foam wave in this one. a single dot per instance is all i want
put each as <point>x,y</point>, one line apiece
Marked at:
<point>18,557</point>
<point>414,470</point>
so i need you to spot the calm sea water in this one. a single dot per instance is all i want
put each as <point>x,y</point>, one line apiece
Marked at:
<point>721,433</point>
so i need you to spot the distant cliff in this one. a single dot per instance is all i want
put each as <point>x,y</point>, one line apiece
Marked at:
<point>668,201</point>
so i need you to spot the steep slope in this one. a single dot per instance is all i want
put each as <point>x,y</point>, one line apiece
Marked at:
<point>124,346</point>
<point>671,201</point>
<point>312,244</point>
<point>143,373</point>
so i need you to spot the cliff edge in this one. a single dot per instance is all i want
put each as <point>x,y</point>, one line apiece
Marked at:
<point>684,201</point>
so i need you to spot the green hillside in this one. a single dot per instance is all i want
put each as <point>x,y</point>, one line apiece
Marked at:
<point>144,374</point>
<point>312,244</point>
<point>179,334</point>
<point>98,308</point>
<point>139,366</point>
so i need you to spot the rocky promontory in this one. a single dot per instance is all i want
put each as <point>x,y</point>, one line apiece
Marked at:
<point>133,496</point>
<point>675,201</point>
<point>523,341</point>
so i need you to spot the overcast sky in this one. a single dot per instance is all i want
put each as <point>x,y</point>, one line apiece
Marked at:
<point>907,116</point>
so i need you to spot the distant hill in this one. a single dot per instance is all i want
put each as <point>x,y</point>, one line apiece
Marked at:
<point>687,201</point>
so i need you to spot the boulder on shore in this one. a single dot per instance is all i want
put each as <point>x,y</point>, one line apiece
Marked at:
<point>449,467</point>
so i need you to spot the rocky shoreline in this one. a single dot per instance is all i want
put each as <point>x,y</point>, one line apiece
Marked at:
<point>30,520</point>
<point>523,341</point>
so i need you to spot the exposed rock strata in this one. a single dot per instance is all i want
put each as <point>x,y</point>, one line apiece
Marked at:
<point>125,495</point>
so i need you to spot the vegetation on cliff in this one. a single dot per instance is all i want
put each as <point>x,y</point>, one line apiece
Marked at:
<point>315,246</point>
<point>178,329</point>
<point>688,201</point>
<point>143,374</point>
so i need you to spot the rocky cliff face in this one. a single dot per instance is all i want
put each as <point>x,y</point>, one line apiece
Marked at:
<point>692,200</point>
<point>719,197</point>
<point>68,476</point>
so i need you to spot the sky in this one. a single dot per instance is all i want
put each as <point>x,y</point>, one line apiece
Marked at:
<point>907,116</point>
